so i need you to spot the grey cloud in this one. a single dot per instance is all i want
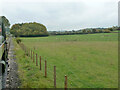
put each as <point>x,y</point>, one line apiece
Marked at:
<point>63,16</point>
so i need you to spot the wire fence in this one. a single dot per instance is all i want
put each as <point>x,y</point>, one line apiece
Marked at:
<point>34,57</point>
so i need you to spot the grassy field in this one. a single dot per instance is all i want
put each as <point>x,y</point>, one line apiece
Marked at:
<point>89,61</point>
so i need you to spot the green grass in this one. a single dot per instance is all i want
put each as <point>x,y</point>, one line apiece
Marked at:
<point>28,72</point>
<point>67,38</point>
<point>89,61</point>
<point>116,31</point>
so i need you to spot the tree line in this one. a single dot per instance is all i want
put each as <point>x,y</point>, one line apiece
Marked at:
<point>36,30</point>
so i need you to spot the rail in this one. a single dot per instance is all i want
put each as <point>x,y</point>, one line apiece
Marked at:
<point>2,43</point>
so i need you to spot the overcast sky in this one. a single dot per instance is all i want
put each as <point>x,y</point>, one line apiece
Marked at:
<point>62,14</point>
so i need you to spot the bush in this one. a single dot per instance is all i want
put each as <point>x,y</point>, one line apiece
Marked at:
<point>107,31</point>
<point>29,30</point>
<point>18,40</point>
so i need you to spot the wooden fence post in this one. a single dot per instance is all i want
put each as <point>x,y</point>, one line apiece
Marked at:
<point>33,57</point>
<point>36,61</point>
<point>45,68</point>
<point>40,62</point>
<point>31,54</point>
<point>55,76</point>
<point>65,82</point>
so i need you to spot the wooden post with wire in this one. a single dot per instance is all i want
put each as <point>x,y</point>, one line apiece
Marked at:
<point>55,76</point>
<point>33,57</point>
<point>40,62</point>
<point>65,82</point>
<point>36,61</point>
<point>45,68</point>
<point>31,54</point>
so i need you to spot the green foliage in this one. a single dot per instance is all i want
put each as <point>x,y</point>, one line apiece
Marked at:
<point>5,21</point>
<point>84,31</point>
<point>18,40</point>
<point>5,26</point>
<point>29,29</point>
<point>111,29</point>
<point>93,30</point>
<point>107,31</point>
<point>89,31</point>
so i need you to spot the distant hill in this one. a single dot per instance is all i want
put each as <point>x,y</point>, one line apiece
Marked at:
<point>86,31</point>
<point>29,30</point>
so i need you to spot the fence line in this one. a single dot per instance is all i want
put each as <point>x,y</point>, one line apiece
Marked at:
<point>31,54</point>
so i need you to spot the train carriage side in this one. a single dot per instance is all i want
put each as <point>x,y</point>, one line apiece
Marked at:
<point>3,45</point>
<point>4,27</point>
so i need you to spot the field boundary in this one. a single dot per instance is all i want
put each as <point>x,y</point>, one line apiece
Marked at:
<point>34,57</point>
